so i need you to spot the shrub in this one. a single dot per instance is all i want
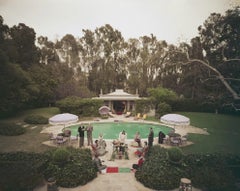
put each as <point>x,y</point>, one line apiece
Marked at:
<point>73,175</point>
<point>211,172</point>
<point>175,155</point>
<point>156,171</point>
<point>79,106</point>
<point>162,109</point>
<point>61,156</point>
<point>21,171</point>
<point>11,129</point>
<point>143,106</point>
<point>36,119</point>
<point>77,171</point>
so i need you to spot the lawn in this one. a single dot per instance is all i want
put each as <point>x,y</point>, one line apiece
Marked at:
<point>224,133</point>
<point>32,139</point>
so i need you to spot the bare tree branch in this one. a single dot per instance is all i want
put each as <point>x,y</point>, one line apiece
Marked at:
<point>220,76</point>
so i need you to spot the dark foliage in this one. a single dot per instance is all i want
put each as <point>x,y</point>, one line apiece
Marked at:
<point>213,172</point>
<point>36,119</point>
<point>79,106</point>
<point>21,171</point>
<point>71,167</point>
<point>10,129</point>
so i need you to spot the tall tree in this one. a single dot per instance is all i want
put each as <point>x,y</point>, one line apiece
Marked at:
<point>219,36</point>
<point>103,51</point>
<point>24,40</point>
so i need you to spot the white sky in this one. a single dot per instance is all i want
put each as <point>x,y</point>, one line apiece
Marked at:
<point>170,20</point>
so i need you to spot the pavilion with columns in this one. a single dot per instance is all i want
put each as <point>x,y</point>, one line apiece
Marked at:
<point>119,101</point>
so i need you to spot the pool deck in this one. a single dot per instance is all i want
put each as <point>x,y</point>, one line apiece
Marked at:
<point>115,181</point>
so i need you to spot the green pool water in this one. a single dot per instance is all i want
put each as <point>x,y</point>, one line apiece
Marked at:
<point>111,130</point>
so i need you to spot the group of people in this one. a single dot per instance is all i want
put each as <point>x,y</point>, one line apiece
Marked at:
<point>137,138</point>
<point>161,137</point>
<point>142,151</point>
<point>99,146</point>
<point>81,130</point>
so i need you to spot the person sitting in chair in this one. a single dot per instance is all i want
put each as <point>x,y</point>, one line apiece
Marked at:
<point>101,145</point>
<point>137,138</point>
<point>122,136</point>
<point>99,164</point>
<point>139,164</point>
<point>143,150</point>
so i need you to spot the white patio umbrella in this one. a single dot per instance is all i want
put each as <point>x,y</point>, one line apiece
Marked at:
<point>175,119</point>
<point>63,119</point>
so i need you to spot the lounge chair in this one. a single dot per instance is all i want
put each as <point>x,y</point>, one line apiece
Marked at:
<point>128,114</point>
<point>144,117</point>
<point>110,114</point>
<point>138,116</point>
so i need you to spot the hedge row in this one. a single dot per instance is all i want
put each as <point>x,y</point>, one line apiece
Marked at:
<point>79,106</point>
<point>36,119</point>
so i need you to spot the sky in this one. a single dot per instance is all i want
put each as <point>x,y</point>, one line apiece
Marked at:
<point>170,20</point>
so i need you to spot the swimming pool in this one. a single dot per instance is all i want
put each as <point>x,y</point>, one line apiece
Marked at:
<point>111,130</point>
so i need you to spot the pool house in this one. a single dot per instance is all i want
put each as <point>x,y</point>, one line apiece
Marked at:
<point>119,101</point>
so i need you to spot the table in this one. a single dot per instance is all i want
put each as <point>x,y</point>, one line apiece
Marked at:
<point>185,185</point>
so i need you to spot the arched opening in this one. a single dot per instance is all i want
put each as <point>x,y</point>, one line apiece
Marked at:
<point>119,107</point>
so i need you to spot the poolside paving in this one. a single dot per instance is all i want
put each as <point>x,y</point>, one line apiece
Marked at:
<point>114,181</point>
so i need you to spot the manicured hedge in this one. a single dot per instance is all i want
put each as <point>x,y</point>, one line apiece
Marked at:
<point>36,119</point>
<point>23,171</point>
<point>20,171</point>
<point>70,167</point>
<point>80,106</point>
<point>210,172</point>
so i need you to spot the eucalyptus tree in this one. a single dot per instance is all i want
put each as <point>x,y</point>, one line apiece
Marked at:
<point>192,78</point>
<point>133,55</point>
<point>148,55</point>
<point>168,71</point>
<point>69,51</point>
<point>103,51</point>
<point>48,51</point>
<point>91,56</point>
